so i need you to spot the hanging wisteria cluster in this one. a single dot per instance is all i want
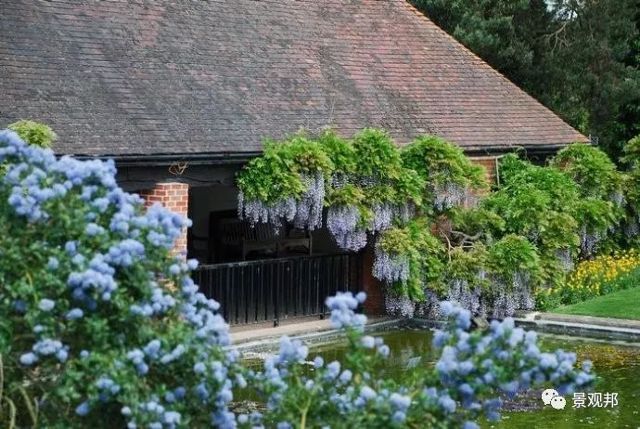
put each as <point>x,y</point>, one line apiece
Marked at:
<point>304,212</point>
<point>345,225</point>
<point>631,228</point>
<point>448,195</point>
<point>309,206</point>
<point>589,241</point>
<point>390,268</point>
<point>256,211</point>
<point>429,307</point>
<point>499,297</point>
<point>399,305</point>
<point>387,214</point>
<point>467,296</point>
<point>566,259</point>
<point>383,216</point>
<point>504,304</point>
<point>513,295</point>
<point>523,291</point>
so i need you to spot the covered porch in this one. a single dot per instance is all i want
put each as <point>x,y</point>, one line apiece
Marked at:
<point>260,273</point>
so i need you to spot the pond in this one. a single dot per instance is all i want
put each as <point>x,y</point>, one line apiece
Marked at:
<point>616,364</point>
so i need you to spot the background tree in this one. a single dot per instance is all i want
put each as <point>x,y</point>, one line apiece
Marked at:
<point>578,57</point>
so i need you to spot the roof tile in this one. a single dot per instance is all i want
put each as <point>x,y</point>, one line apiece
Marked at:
<point>158,77</point>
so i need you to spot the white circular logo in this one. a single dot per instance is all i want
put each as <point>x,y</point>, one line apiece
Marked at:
<point>548,395</point>
<point>558,403</point>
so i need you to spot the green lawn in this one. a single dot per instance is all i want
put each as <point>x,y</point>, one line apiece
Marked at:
<point>624,304</point>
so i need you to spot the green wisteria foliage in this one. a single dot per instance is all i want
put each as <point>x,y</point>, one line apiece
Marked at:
<point>436,229</point>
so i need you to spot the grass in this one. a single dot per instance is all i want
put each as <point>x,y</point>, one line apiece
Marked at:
<point>624,304</point>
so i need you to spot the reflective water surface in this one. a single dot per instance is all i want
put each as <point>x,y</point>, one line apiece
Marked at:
<point>616,364</point>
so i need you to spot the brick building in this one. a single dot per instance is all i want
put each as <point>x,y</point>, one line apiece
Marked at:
<point>181,95</point>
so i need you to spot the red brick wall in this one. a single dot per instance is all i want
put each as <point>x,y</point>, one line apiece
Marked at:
<point>175,197</point>
<point>489,164</point>
<point>374,305</point>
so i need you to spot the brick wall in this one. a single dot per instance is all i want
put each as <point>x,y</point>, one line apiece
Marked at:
<point>489,164</point>
<point>175,197</point>
<point>374,305</point>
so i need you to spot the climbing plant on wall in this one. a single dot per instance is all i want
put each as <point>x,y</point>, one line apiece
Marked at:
<point>437,230</point>
<point>362,182</point>
<point>599,184</point>
<point>410,258</point>
<point>450,176</point>
<point>286,183</point>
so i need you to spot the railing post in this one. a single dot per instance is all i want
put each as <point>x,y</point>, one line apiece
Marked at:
<point>275,294</point>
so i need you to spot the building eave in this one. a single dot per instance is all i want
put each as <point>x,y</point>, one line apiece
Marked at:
<point>167,159</point>
<point>239,158</point>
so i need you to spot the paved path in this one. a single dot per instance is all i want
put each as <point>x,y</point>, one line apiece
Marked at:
<point>243,333</point>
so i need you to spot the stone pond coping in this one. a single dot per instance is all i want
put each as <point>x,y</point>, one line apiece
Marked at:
<point>581,326</point>
<point>257,340</point>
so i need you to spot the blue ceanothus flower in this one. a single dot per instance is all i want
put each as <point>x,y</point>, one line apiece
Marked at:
<point>474,370</point>
<point>113,297</point>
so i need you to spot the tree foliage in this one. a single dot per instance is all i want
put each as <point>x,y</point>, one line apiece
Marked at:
<point>34,133</point>
<point>579,58</point>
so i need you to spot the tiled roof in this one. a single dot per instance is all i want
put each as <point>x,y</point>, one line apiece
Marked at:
<point>219,76</point>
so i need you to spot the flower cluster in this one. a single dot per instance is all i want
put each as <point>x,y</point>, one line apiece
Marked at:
<point>115,321</point>
<point>589,241</point>
<point>468,296</point>
<point>309,207</point>
<point>474,371</point>
<point>390,268</point>
<point>598,276</point>
<point>342,307</point>
<point>331,392</point>
<point>344,224</point>
<point>397,305</point>
<point>257,211</point>
<point>449,195</point>
<point>474,366</point>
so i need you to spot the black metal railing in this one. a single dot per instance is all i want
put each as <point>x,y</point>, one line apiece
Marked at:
<point>275,289</point>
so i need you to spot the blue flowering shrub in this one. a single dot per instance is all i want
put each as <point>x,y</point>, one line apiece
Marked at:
<point>101,326</point>
<point>475,371</point>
